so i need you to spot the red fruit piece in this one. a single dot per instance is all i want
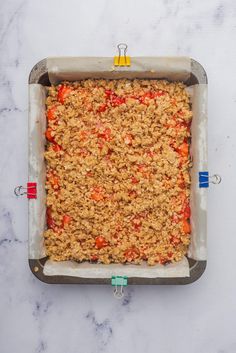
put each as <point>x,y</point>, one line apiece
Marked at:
<point>116,101</point>
<point>175,240</point>
<point>145,97</point>
<point>63,93</point>
<point>109,93</point>
<point>50,222</point>
<point>132,253</point>
<point>186,227</point>
<point>51,113</point>
<point>134,180</point>
<point>100,242</point>
<point>48,135</point>
<point>102,108</point>
<point>183,149</point>
<point>97,194</point>
<point>66,220</point>
<point>137,223</point>
<point>56,147</point>
<point>186,211</point>
<point>106,134</point>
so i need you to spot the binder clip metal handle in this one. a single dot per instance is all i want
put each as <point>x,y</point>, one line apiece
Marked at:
<point>122,48</point>
<point>118,292</point>
<point>20,190</point>
<point>215,179</point>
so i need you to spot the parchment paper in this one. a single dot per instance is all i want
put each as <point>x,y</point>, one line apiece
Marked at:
<point>72,69</point>
<point>173,69</point>
<point>88,270</point>
<point>198,199</point>
<point>37,171</point>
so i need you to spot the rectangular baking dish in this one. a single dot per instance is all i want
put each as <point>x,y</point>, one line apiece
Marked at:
<point>54,70</point>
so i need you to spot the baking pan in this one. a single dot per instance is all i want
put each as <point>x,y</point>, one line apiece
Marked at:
<point>54,70</point>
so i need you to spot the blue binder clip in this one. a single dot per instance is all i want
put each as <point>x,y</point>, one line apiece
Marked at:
<point>203,179</point>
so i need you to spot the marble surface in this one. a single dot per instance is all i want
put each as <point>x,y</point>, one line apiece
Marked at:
<point>37,318</point>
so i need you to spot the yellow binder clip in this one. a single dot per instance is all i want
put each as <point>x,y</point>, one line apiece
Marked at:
<point>122,59</point>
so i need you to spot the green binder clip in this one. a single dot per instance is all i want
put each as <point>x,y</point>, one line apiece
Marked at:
<point>119,282</point>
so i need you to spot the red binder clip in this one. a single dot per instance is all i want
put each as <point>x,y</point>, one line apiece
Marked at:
<point>32,190</point>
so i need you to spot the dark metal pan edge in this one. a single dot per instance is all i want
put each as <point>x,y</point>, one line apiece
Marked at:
<point>39,73</point>
<point>36,267</point>
<point>198,71</point>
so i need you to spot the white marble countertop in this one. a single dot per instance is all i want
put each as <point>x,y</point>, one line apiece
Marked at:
<point>35,317</point>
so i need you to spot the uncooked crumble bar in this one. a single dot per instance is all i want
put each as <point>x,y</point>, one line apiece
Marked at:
<point>118,181</point>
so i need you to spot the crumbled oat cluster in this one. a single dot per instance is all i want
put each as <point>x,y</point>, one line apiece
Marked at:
<point>118,181</point>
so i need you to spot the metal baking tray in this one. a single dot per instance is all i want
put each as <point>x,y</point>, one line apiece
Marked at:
<point>72,69</point>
